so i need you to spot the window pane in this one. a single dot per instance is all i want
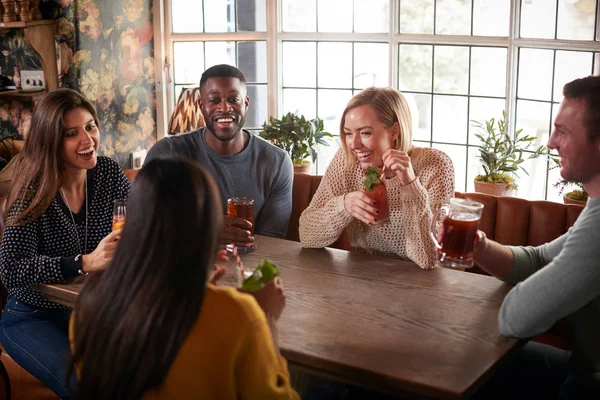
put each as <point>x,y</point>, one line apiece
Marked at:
<point>188,62</point>
<point>219,16</point>
<point>331,107</point>
<point>491,17</point>
<point>450,119</point>
<point>187,16</point>
<point>335,16</point>
<point>299,64</point>
<point>335,65</point>
<point>538,19</point>
<point>252,60</point>
<point>220,53</point>
<point>596,63</point>
<point>576,19</point>
<point>534,118</point>
<point>451,70</point>
<point>299,15</point>
<point>251,15</point>
<point>414,71</point>
<point>420,111</point>
<point>570,65</point>
<point>416,17</point>
<point>371,16</point>
<point>481,110</point>
<point>453,17</point>
<point>488,71</point>
<point>300,101</point>
<point>535,74</point>
<point>458,154</point>
<point>371,65</point>
<point>532,186</point>
<point>473,168</point>
<point>258,111</point>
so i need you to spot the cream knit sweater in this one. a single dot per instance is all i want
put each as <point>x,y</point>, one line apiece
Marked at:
<point>406,234</point>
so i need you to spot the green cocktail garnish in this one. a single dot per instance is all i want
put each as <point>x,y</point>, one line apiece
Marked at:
<point>371,176</point>
<point>263,274</point>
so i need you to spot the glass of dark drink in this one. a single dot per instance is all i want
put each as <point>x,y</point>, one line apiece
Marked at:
<point>242,207</point>
<point>455,247</point>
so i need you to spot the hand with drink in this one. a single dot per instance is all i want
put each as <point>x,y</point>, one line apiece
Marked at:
<point>119,214</point>
<point>99,259</point>
<point>239,223</point>
<point>375,190</point>
<point>459,231</point>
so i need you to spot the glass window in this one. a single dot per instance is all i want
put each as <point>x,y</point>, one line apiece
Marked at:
<point>453,17</point>
<point>451,70</point>
<point>415,68</point>
<point>299,15</point>
<point>538,19</point>
<point>371,62</point>
<point>491,17</point>
<point>416,17</point>
<point>576,19</point>
<point>535,74</point>
<point>451,60</point>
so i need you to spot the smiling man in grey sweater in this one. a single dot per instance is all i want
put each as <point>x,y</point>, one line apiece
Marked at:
<point>558,279</point>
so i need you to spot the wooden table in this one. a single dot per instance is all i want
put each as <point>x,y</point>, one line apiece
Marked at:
<point>380,323</point>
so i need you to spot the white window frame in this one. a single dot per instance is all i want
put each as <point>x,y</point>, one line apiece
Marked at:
<point>275,37</point>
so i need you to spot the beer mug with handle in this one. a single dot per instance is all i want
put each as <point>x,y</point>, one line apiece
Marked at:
<point>455,246</point>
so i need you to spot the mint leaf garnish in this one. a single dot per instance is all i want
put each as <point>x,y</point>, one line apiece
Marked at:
<point>371,176</point>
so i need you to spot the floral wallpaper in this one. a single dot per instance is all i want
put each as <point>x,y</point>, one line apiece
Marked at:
<point>104,51</point>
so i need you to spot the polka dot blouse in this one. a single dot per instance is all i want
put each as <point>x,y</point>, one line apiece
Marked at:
<point>43,251</point>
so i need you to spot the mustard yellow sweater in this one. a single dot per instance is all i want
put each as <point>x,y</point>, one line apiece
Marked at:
<point>228,354</point>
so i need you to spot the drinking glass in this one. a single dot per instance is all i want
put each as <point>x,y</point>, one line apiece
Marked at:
<point>242,207</point>
<point>119,214</point>
<point>458,235</point>
<point>378,194</point>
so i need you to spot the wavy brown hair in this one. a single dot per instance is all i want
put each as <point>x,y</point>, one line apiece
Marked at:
<point>391,107</point>
<point>130,320</point>
<point>40,163</point>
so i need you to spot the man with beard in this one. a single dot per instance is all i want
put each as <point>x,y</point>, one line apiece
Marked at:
<point>242,164</point>
<point>559,279</point>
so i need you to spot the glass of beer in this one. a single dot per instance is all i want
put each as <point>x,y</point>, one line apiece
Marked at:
<point>242,207</point>
<point>119,214</point>
<point>458,233</point>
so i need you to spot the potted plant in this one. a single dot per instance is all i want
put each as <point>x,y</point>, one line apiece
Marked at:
<point>298,136</point>
<point>576,196</point>
<point>501,155</point>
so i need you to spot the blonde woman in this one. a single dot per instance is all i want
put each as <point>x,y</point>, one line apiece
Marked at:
<point>376,131</point>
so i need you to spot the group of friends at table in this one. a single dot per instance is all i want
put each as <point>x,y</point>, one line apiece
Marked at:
<point>152,321</point>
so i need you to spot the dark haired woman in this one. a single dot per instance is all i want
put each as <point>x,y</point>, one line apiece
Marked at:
<point>58,226</point>
<point>165,333</point>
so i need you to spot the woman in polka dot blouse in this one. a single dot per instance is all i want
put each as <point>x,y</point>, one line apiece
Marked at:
<point>58,226</point>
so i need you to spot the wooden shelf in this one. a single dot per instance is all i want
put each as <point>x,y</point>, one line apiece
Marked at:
<point>21,24</point>
<point>18,94</point>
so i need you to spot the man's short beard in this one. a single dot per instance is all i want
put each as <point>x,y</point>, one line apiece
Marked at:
<point>211,128</point>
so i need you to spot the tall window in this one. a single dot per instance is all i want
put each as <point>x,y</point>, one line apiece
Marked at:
<point>455,61</point>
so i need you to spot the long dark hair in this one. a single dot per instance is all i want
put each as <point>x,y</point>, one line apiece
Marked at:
<point>131,319</point>
<point>40,163</point>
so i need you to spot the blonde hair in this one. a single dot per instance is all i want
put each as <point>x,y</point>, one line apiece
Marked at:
<point>391,107</point>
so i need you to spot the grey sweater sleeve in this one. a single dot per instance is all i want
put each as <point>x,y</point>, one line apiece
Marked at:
<point>275,214</point>
<point>555,279</point>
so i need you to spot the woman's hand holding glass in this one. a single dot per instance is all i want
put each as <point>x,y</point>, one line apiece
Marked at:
<point>398,163</point>
<point>361,207</point>
<point>98,259</point>
<point>271,298</point>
